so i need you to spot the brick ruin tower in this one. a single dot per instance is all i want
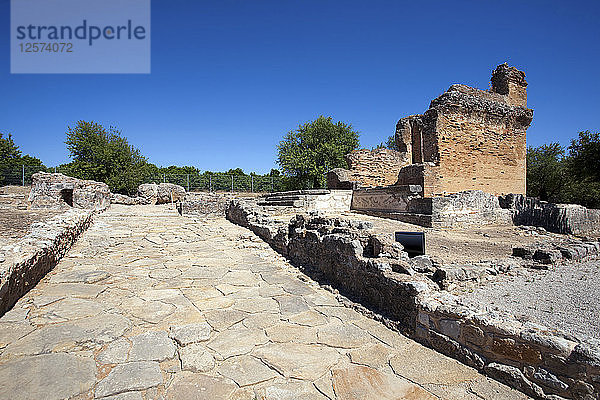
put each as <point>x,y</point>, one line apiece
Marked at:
<point>468,139</point>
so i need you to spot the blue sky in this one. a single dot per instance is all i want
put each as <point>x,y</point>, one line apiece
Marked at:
<point>229,78</point>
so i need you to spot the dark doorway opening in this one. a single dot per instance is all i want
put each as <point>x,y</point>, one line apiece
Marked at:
<point>67,196</point>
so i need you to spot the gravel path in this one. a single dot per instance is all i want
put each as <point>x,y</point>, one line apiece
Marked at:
<point>564,297</point>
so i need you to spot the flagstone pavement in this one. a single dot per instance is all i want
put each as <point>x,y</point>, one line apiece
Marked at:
<point>151,305</point>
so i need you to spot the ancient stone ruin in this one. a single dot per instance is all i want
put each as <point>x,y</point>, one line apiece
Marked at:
<point>468,139</point>
<point>58,190</point>
<point>454,159</point>
<point>162,193</point>
<point>164,305</point>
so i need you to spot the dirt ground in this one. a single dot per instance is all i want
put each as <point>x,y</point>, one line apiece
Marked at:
<point>449,246</point>
<point>15,218</point>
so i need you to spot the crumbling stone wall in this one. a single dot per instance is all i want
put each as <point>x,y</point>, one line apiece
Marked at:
<point>559,218</point>
<point>378,167</point>
<point>30,259</point>
<point>371,270</point>
<point>474,139</point>
<point>206,203</point>
<point>162,193</point>
<point>468,139</point>
<point>61,191</point>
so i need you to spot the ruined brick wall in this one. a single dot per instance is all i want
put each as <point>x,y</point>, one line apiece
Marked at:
<point>510,82</point>
<point>480,148</point>
<point>378,167</point>
<point>474,139</point>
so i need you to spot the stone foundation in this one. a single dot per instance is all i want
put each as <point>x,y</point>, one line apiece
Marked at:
<point>310,200</point>
<point>559,218</point>
<point>405,203</point>
<point>540,362</point>
<point>30,259</point>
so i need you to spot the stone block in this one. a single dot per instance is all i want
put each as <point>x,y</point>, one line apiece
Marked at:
<point>61,191</point>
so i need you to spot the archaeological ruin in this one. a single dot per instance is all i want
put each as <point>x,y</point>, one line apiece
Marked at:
<point>308,293</point>
<point>468,140</point>
<point>58,190</point>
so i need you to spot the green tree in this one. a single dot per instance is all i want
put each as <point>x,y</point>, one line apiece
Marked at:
<point>8,149</point>
<point>106,156</point>
<point>583,168</point>
<point>9,156</point>
<point>545,171</point>
<point>307,153</point>
<point>11,161</point>
<point>236,171</point>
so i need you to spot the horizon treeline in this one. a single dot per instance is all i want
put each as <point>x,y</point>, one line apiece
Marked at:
<point>555,173</point>
<point>104,155</point>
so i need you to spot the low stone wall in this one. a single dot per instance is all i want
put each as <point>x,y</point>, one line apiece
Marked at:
<point>405,203</point>
<point>536,360</point>
<point>468,208</point>
<point>552,253</point>
<point>329,200</point>
<point>389,199</point>
<point>559,218</point>
<point>367,269</point>
<point>206,203</point>
<point>30,259</point>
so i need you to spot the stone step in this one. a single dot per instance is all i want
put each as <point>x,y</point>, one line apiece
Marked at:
<point>282,203</point>
<point>302,192</point>
<point>282,198</point>
<point>425,220</point>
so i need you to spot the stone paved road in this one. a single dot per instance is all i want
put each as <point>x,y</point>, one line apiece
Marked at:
<point>149,305</point>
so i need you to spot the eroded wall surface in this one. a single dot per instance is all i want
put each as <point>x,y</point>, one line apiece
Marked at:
<point>468,139</point>
<point>471,139</point>
<point>378,167</point>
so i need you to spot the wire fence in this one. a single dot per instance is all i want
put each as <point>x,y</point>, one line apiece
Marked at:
<point>213,182</point>
<point>220,182</point>
<point>20,175</point>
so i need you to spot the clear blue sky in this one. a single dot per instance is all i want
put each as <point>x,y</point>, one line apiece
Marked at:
<point>229,78</point>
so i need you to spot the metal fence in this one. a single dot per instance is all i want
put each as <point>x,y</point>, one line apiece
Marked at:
<point>221,182</point>
<point>21,175</point>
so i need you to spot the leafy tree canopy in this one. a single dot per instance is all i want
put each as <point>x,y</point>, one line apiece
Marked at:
<point>566,176</point>
<point>584,156</point>
<point>12,160</point>
<point>106,156</point>
<point>8,149</point>
<point>307,153</point>
<point>236,171</point>
<point>545,171</point>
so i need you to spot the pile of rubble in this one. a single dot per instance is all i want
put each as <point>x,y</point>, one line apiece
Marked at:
<point>547,253</point>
